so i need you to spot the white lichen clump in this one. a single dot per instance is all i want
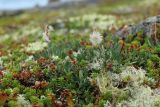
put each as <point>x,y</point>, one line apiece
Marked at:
<point>139,95</point>
<point>35,47</point>
<point>132,74</point>
<point>25,31</point>
<point>21,101</point>
<point>99,21</point>
<point>108,104</point>
<point>96,38</point>
<point>103,82</point>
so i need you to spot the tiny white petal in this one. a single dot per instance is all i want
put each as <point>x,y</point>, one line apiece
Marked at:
<point>96,38</point>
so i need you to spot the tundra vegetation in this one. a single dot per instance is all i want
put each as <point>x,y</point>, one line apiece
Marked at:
<point>75,58</point>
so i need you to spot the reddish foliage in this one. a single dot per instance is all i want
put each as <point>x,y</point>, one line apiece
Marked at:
<point>65,94</point>
<point>73,61</point>
<point>40,84</point>
<point>36,105</point>
<point>55,103</point>
<point>84,43</point>
<point>157,85</point>
<point>3,98</point>
<point>24,75</point>
<point>70,52</point>
<point>42,61</point>
<point>15,75</point>
<point>1,53</point>
<point>58,103</point>
<point>1,74</point>
<point>52,66</point>
<point>70,100</point>
<point>38,73</point>
<point>109,66</point>
<point>52,98</point>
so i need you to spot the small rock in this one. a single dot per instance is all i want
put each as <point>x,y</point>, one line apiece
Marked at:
<point>148,27</point>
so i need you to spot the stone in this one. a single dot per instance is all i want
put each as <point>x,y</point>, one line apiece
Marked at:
<point>149,27</point>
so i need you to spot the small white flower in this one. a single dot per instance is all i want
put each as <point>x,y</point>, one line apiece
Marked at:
<point>96,38</point>
<point>55,58</point>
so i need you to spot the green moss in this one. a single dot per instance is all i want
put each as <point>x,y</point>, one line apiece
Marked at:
<point>34,99</point>
<point>123,96</point>
<point>13,103</point>
<point>107,96</point>
<point>101,103</point>
<point>155,58</point>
